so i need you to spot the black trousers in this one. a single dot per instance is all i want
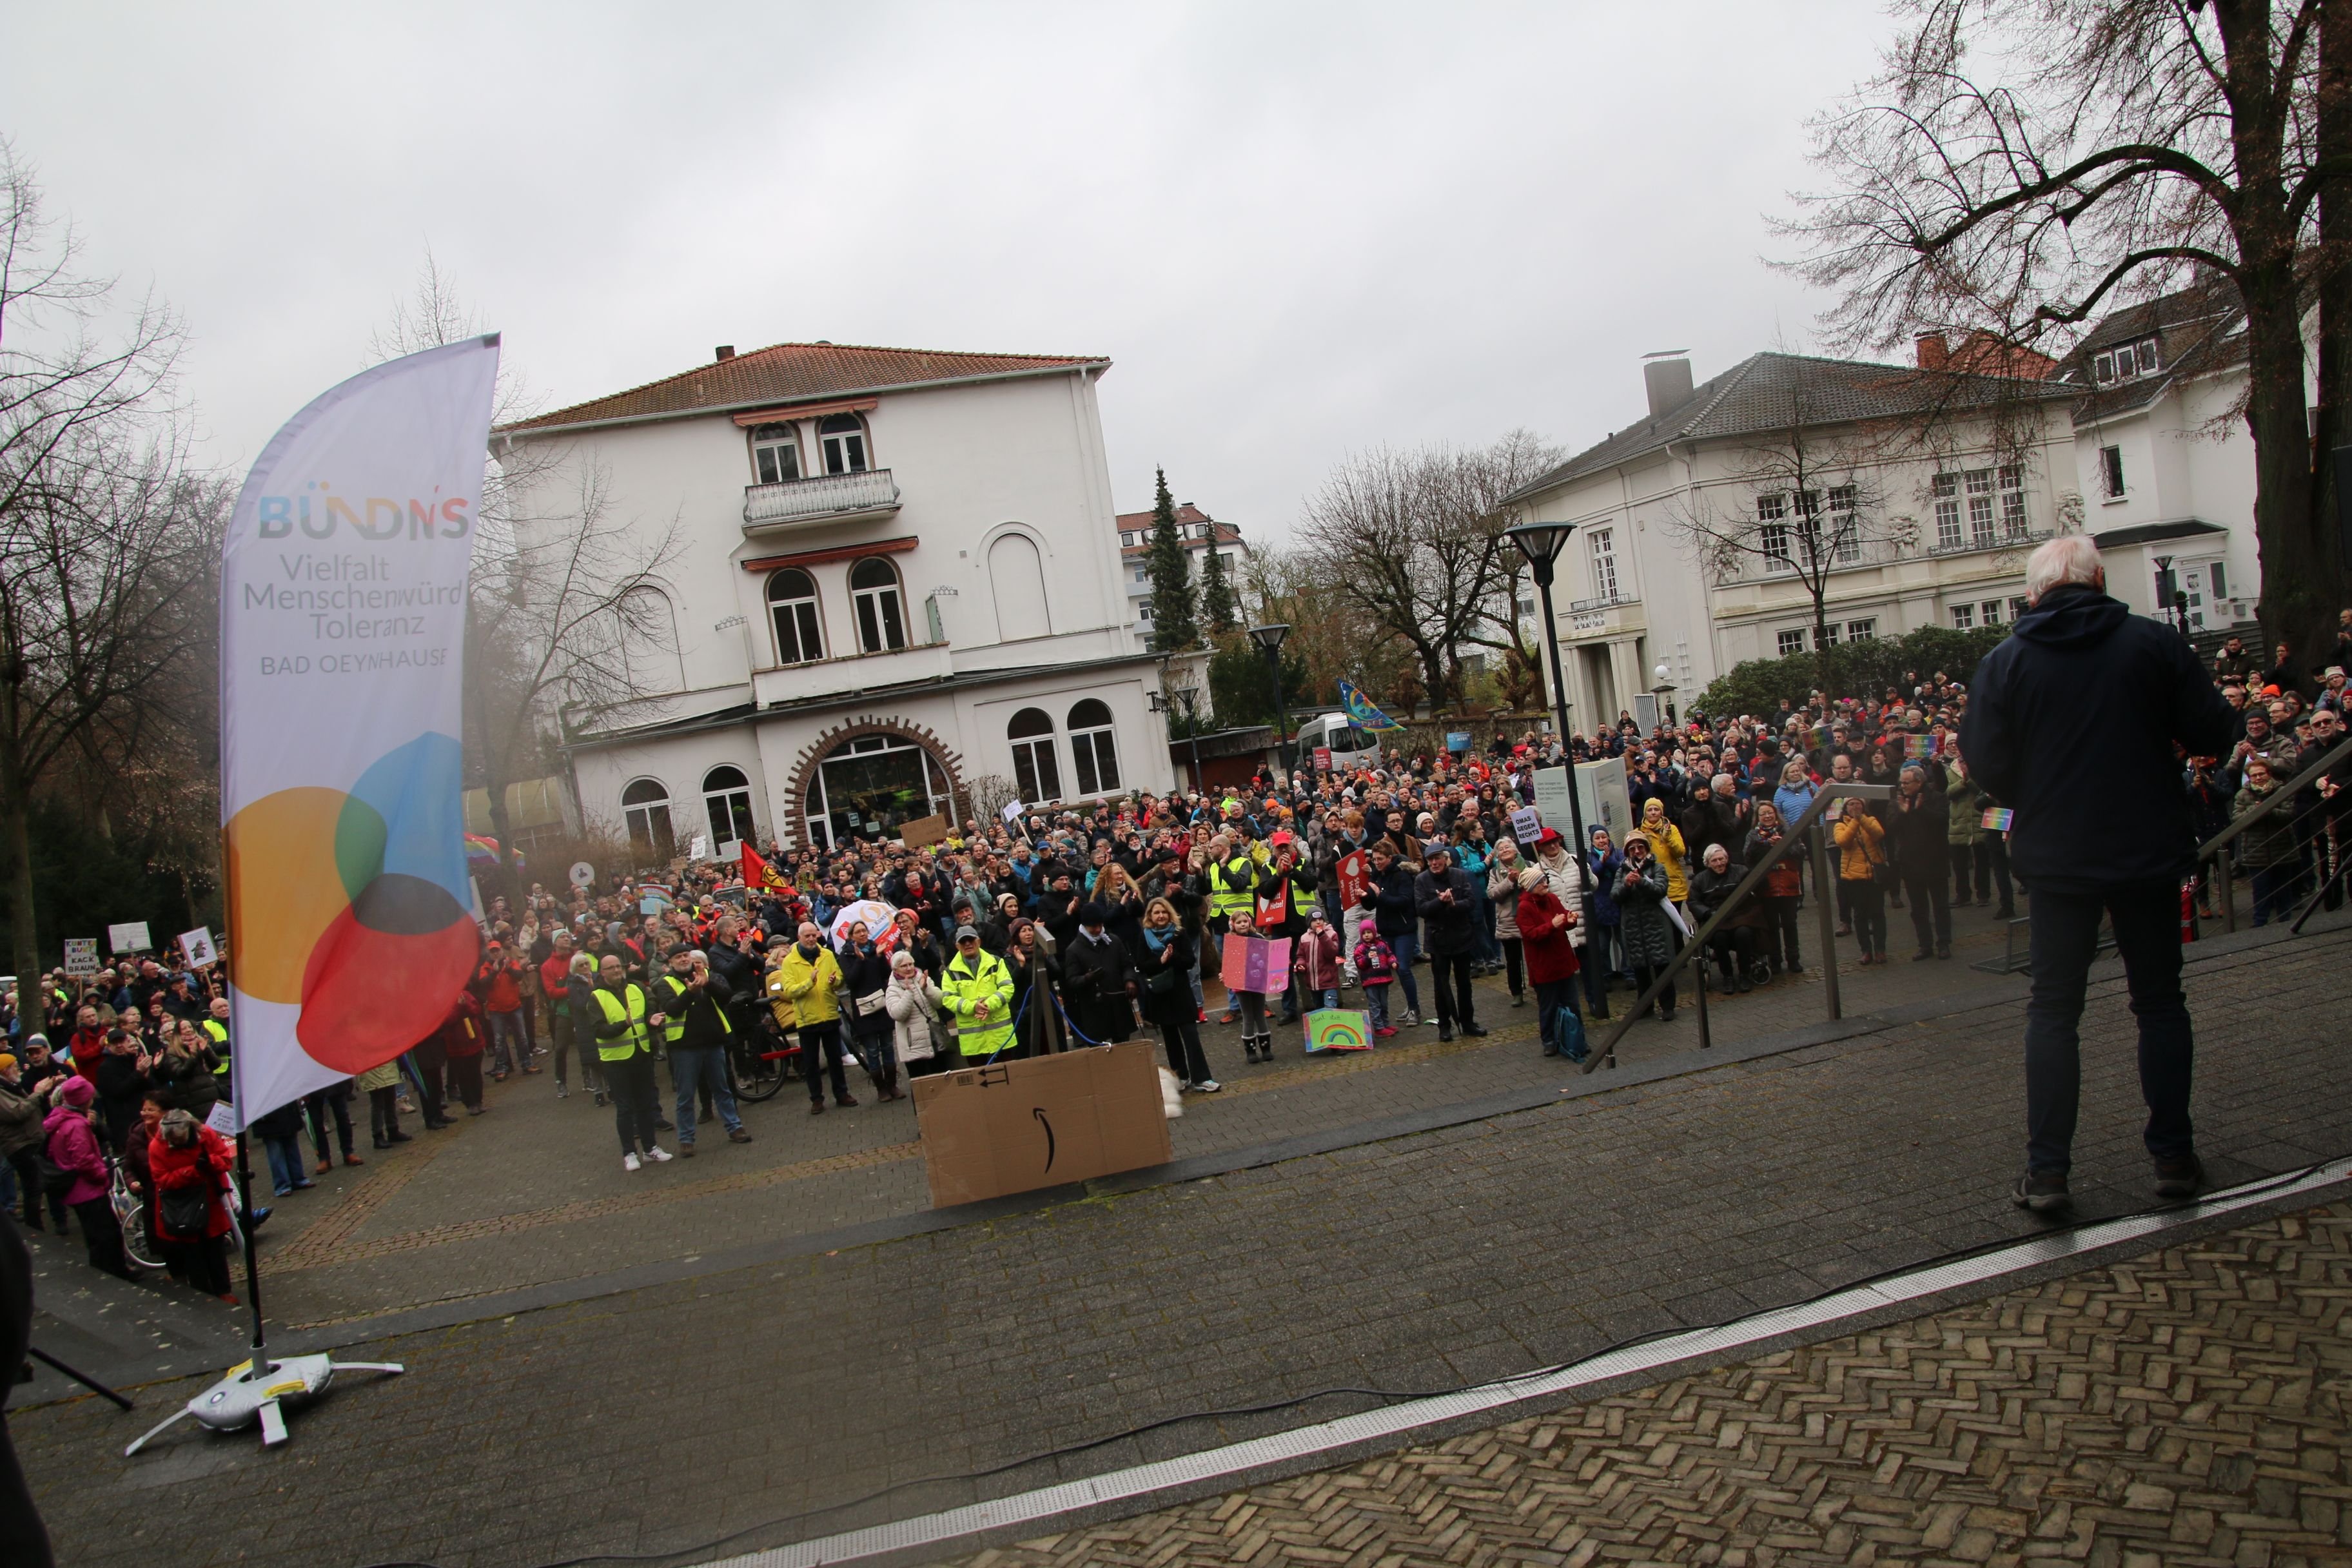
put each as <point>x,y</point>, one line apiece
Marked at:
<point>20,1521</point>
<point>1449,976</point>
<point>432,1064</point>
<point>383,1112</point>
<point>635,1096</point>
<point>101,1236</point>
<point>819,1044</point>
<point>321,1104</point>
<point>1511,950</point>
<point>2146,919</point>
<point>1182,1038</point>
<point>1779,931</point>
<point>1931,911</point>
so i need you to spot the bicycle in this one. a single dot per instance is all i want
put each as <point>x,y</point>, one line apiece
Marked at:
<point>760,1060</point>
<point>130,1214</point>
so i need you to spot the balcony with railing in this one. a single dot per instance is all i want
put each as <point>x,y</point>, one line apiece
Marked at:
<point>1979,539</point>
<point>821,498</point>
<point>1608,615</point>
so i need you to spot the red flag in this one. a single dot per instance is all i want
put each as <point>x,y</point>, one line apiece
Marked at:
<point>758,873</point>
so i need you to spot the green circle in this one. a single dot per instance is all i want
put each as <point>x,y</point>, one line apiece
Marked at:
<point>360,837</point>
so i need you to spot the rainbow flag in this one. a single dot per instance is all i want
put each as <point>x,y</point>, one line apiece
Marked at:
<point>1360,712</point>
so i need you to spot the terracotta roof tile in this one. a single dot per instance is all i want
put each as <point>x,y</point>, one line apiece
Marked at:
<point>789,372</point>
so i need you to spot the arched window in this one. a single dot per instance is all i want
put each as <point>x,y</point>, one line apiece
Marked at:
<point>880,611</point>
<point>792,607</point>
<point>727,801</point>
<point>775,454</point>
<point>1036,773</point>
<point>843,438</point>
<point>1017,577</point>
<point>1091,748</point>
<point>644,806</point>
<point>644,641</point>
<point>866,788</point>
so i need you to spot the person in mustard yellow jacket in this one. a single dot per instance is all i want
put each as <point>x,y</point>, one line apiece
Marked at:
<point>810,979</point>
<point>1666,845</point>
<point>1862,851</point>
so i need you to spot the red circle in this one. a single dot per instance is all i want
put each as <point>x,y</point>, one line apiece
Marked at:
<point>368,995</point>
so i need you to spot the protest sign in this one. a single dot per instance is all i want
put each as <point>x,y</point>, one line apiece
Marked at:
<point>129,937</point>
<point>1998,818</point>
<point>81,956</point>
<point>197,950</point>
<point>1253,963</point>
<point>1336,1030</point>
<point>1526,823</point>
<point>1355,878</point>
<point>582,873</point>
<point>922,832</point>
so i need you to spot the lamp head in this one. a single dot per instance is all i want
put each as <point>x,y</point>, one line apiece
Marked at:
<point>1269,637</point>
<point>1541,543</point>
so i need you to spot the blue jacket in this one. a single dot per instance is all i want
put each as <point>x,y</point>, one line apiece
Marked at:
<point>1605,872</point>
<point>1792,802</point>
<point>2073,721</point>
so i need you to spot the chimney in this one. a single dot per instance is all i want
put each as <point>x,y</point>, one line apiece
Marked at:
<point>1930,351</point>
<point>1667,376</point>
<point>725,352</point>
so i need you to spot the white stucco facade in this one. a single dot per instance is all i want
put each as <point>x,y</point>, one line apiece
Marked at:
<point>937,556</point>
<point>1634,591</point>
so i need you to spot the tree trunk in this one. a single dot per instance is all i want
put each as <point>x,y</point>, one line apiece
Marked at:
<point>1821,666</point>
<point>2298,599</point>
<point>16,846</point>
<point>2312,636</point>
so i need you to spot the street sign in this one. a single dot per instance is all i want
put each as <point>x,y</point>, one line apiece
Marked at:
<point>129,937</point>
<point>81,956</point>
<point>582,873</point>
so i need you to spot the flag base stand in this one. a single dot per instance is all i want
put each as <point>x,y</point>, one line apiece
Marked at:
<point>258,1391</point>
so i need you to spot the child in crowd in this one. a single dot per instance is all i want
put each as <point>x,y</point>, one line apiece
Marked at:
<point>1257,1044</point>
<point>1315,959</point>
<point>1376,967</point>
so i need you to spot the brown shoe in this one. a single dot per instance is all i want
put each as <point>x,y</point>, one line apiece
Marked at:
<point>817,1108</point>
<point>324,1166</point>
<point>686,1150</point>
<point>845,1102</point>
<point>739,1136</point>
<point>353,1160</point>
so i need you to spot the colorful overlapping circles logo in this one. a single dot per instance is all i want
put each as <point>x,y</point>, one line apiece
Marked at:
<point>356,905</point>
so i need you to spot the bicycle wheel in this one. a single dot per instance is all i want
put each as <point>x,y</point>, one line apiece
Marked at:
<point>137,1246</point>
<point>760,1067</point>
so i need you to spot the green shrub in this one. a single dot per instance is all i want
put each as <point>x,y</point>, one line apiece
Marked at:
<point>1859,669</point>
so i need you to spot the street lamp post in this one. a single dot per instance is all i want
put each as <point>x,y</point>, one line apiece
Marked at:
<point>1191,698</point>
<point>1268,639</point>
<point>1541,543</point>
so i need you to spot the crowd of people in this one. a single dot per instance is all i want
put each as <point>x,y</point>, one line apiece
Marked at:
<point>1068,927</point>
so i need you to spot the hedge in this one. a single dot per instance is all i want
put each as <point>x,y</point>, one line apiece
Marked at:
<point>1859,669</point>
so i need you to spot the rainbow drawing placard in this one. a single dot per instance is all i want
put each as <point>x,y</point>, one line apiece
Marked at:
<point>1336,1030</point>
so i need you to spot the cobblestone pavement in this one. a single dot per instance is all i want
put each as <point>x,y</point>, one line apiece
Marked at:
<point>656,1418</point>
<point>2187,1407</point>
<point>534,1192</point>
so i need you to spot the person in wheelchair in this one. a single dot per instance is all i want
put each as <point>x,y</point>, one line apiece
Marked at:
<point>1733,945</point>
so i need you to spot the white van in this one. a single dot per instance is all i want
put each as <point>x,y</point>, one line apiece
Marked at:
<point>1350,747</point>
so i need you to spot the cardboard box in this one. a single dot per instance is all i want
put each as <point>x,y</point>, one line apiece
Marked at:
<point>1013,1127</point>
<point>923,832</point>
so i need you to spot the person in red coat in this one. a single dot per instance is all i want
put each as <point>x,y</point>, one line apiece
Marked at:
<point>1544,926</point>
<point>184,1154</point>
<point>463,1036</point>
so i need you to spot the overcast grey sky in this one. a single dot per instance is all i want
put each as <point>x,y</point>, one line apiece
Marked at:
<point>1297,229</point>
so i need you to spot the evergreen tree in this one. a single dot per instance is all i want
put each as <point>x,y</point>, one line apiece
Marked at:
<point>1171,590</point>
<point>1218,613</point>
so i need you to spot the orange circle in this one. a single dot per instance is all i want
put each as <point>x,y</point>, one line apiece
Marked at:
<point>284,889</point>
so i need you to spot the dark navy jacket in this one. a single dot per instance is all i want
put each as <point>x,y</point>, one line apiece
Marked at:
<point>2072,721</point>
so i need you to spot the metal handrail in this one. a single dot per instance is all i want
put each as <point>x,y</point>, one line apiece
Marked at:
<point>2287,792</point>
<point>2217,848</point>
<point>1792,835</point>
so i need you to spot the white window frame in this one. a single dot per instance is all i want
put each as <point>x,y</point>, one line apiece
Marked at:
<point>846,452</point>
<point>1036,763</point>
<point>1977,483</point>
<point>1946,491</point>
<point>651,829</point>
<point>1863,630</point>
<point>2009,479</point>
<point>2112,485</point>
<point>1602,543</point>
<point>728,807</point>
<point>1790,639</point>
<point>808,619</point>
<point>1094,748</point>
<point>767,443</point>
<point>1964,618</point>
<point>884,604</point>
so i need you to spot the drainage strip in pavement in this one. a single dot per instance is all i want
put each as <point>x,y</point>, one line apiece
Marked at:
<point>1138,1488</point>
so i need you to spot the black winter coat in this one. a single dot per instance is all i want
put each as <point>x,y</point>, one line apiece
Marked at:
<point>1450,931</point>
<point>1917,837</point>
<point>1095,971</point>
<point>2071,720</point>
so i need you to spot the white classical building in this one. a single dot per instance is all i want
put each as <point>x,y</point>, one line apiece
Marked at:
<point>1933,484</point>
<point>898,574</point>
<point>2163,457</point>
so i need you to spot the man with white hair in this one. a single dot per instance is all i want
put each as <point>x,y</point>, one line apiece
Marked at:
<point>2072,721</point>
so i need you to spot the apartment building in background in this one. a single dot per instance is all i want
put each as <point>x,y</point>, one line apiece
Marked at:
<point>1201,533</point>
<point>898,574</point>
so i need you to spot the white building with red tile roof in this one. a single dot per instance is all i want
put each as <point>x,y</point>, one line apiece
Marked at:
<point>1200,531</point>
<point>898,574</point>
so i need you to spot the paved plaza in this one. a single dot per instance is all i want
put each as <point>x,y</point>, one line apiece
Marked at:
<point>759,1346</point>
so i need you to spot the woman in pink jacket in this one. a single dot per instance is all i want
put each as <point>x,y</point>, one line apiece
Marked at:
<point>73,1148</point>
